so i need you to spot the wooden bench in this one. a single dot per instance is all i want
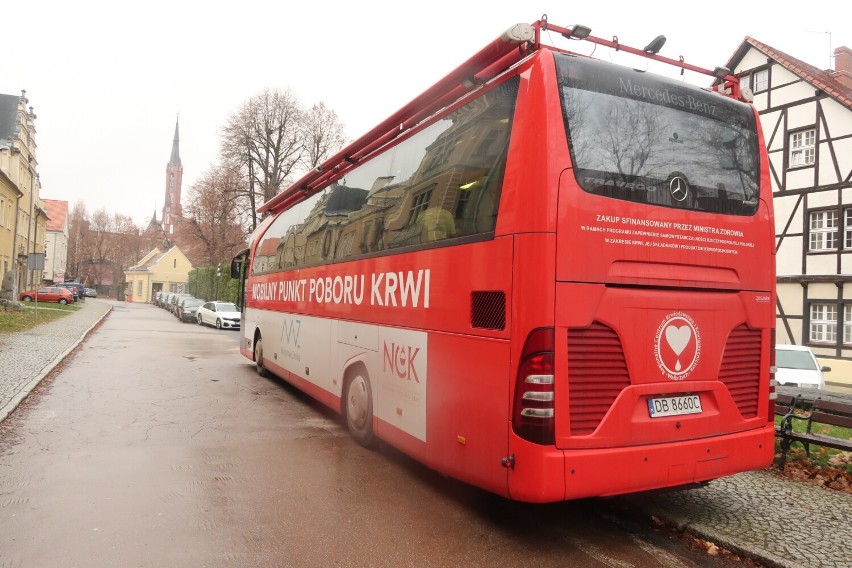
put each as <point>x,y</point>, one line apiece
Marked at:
<point>784,404</point>
<point>821,412</point>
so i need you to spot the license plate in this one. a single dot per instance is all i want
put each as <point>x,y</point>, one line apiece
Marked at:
<point>674,405</point>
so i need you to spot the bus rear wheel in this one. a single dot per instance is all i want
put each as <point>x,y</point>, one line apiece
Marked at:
<point>359,407</point>
<point>258,358</point>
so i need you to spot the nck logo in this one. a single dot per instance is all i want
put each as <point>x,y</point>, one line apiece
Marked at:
<point>401,361</point>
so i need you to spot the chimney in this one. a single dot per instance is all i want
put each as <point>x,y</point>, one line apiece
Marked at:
<point>843,66</point>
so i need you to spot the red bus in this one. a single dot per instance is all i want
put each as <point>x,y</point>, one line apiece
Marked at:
<point>548,276</point>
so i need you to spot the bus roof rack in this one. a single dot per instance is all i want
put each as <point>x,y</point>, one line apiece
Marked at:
<point>508,49</point>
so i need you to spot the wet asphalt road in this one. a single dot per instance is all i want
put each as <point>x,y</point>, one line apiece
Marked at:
<point>156,444</point>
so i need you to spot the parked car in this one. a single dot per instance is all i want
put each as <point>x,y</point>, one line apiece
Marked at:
<point>796,366</point>
<point>71,289</point>
<point>177,302</point>
<point>158,298</point>
<point>221,314</point>
<point>48,294</point>
<point>162,301</point>
<point>187,309</point>
<point>77,289</point>
<point>90,292</point>
<point>173,300</point>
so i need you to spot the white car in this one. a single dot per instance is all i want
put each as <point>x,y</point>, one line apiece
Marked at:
<point>796,366</point>
<point>224,315</point>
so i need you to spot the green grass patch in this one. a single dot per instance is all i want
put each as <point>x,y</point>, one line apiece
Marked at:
<point>820,456</point>
<point>33,314</point>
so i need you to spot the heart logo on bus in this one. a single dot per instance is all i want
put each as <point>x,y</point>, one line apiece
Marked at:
<point>677,346</point>
<point>678,337</point>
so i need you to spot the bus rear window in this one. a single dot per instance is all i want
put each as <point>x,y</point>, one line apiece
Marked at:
<point>644,138</point>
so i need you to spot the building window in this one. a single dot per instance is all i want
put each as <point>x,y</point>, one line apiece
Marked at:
<point>823,327</point>
<point>745,82</point>
<point>847,228</point>
<point>761,80</point>
<point>139,288</point>
<point>344,247</point>
<point>847,323</point>
<point>803,148</point>
<point>823,230</point>
<point>419,203</point>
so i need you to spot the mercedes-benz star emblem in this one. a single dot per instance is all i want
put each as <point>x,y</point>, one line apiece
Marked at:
<point>678,188</point>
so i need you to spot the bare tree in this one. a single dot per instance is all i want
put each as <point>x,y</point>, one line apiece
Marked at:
<point>265,137</point>
<point>211,230</point>
<point>236,154</point>
<point>270,141</point>
<point>78,228</point>
<point>101,246</point>
<point>113,243</point>
<point>323,135</point>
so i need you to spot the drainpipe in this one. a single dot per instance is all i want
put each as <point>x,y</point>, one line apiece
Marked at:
<point>17,257</point>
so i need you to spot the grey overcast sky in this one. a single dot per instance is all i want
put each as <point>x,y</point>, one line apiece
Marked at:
<point>107,79</point>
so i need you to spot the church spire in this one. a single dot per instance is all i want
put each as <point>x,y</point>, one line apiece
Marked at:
<point>175,160</point>
<point>154,225</point>
<point>174,175</point>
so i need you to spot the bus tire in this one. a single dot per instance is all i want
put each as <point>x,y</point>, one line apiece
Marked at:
<point>258,358</point>
<point>358,405</point>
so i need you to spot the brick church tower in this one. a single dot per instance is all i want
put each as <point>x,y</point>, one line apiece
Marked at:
<point>174,175</point>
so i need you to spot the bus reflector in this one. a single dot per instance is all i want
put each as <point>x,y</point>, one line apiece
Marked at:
<point>534,399</point>
<point>770,417</point>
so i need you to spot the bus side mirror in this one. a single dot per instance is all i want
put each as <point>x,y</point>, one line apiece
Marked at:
<point>236,265</point>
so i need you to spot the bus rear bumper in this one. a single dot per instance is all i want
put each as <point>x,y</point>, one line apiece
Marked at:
<point>556,475</point>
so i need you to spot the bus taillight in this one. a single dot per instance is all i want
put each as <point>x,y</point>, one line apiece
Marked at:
<point>533,409</point>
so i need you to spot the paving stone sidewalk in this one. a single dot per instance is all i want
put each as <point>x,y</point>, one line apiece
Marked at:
<point>778,522</point>
<point>27,357</point>
<point>774,520</point>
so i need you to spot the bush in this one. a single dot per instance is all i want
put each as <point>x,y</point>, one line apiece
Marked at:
<point>204,283</point>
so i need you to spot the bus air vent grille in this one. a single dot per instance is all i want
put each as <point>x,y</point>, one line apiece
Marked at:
<point>488,310</point>
<point>597,373</point>
<point>740,370</point>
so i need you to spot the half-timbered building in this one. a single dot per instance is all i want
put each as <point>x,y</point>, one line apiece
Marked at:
<point>806,115</point>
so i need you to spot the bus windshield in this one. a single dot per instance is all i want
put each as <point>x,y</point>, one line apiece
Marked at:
<point>644,138</point>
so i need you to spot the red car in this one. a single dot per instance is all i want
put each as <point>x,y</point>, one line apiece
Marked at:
<point>49,294</point>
